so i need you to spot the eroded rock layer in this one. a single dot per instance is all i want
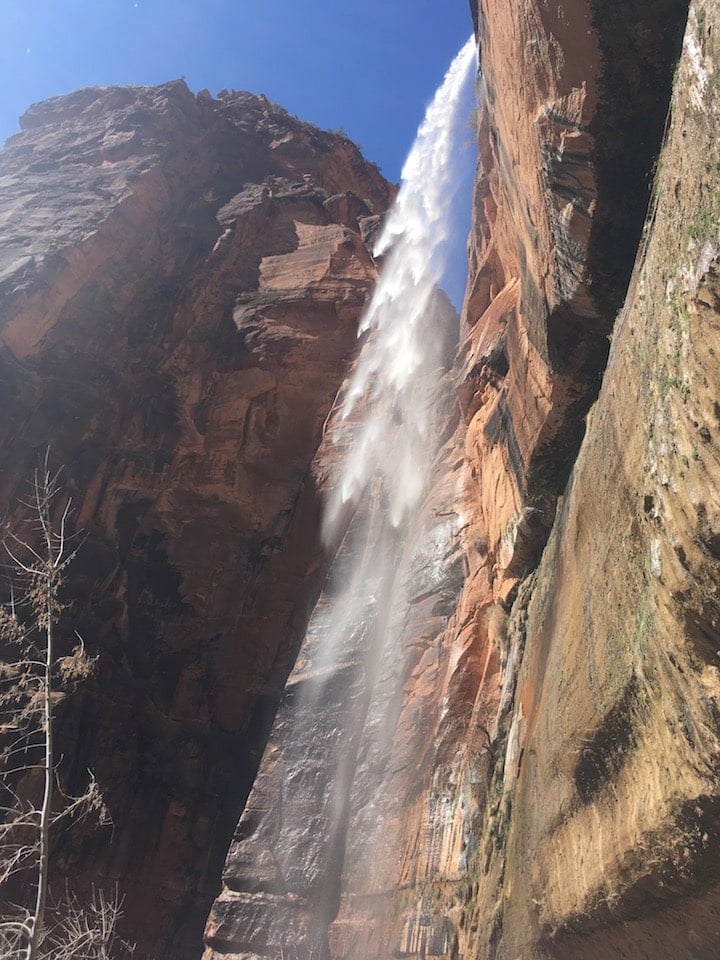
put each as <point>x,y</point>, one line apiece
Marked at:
<point>180,280</point>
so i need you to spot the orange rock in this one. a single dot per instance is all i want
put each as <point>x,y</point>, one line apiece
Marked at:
<point>443,849</point>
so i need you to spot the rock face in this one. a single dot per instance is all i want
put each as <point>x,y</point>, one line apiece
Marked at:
<point>617,693</point>
<point>180,280</point>
<point>549,787</point>
<point>557,738</point>
<point>307,837</point>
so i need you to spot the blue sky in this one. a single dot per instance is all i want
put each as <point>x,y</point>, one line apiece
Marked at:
<point>369,68</point>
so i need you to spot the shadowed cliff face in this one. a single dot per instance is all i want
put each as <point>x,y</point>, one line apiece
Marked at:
<point>179,288</point>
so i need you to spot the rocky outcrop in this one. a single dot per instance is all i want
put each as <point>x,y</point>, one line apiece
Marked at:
<point>180,283</point>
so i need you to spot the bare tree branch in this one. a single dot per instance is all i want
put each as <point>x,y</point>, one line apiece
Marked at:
<point>30,672</point>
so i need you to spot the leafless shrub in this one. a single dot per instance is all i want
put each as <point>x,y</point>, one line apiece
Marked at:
<point>31,675</point>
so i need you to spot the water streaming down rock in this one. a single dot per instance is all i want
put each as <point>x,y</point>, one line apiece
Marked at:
<point>391,411</point>
<point>318,799</point>
<point>396,372</point>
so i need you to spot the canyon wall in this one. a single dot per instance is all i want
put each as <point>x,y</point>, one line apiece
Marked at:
<point>563,802</point>
<point>548,784</point>
<point>181,279</point>
<point>549,787</point>
<point>614,784</point>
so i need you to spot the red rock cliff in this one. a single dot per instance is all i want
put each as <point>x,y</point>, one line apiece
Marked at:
<point>555,787</point>
<point>180,283</point>
<point>613,784</point>
<point>549,788</point>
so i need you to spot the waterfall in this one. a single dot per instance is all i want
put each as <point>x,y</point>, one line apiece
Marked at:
<point>315,810</point>
<point>398,367</point>
<point>390,416</point>
<point>386,433</point>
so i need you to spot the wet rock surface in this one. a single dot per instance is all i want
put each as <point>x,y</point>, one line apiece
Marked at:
<point>315,834</point>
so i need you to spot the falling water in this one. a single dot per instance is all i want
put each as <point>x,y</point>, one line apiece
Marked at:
<point>398,369</point>
<point>350,674</point>
<point>316,803</point>
<point>392,409</point>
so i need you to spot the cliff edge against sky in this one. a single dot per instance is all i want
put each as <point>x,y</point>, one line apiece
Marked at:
<point>179,332</point>
<point>181,282</point>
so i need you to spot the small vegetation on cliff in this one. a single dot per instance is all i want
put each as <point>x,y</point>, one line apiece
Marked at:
<point>34,806</point>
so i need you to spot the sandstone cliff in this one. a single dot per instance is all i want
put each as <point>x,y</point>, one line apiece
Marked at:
<point>560,797</point>
<point>180,280</point>
<point>615,787</point>
<point>549,787</point>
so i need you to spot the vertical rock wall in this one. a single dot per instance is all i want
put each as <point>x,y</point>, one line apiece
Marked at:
<point>596,826</point>
<point>616,789</point>
<point>181,280</point>
<point>547,787</point>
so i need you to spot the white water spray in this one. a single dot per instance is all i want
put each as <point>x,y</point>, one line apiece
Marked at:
<point>392,409</point>
<point>402,359</point>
